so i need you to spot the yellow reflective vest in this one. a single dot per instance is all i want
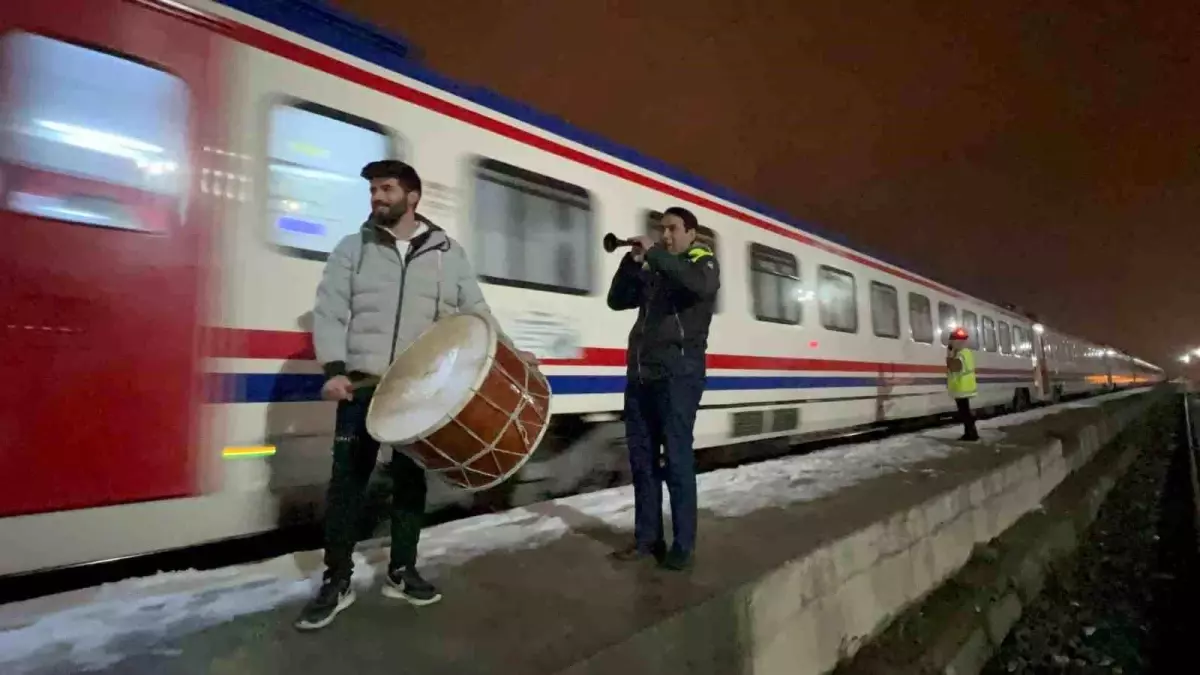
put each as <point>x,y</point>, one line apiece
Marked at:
<point>962,384</point>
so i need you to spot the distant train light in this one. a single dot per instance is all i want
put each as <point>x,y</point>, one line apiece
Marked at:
<point>1039,328</point>
<point>243,452</point>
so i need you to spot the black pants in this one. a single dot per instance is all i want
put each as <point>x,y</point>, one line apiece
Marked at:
<point>967,419</point>
<point>659,417</point>
<point>354,458</point>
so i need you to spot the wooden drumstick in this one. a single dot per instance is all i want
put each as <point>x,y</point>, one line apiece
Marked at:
<point>363,383</point>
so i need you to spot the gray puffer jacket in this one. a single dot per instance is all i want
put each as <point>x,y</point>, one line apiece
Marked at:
<point>375,300</point>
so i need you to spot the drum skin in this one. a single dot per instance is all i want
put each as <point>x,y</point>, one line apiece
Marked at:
<point>501,422</point>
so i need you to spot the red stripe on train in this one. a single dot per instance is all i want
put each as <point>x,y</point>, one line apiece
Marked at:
<point>243,343</point>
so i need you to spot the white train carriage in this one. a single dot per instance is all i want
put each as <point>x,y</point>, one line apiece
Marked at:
<point>1146,373</point>
<point>175,173</point>
<point>1074,366</point>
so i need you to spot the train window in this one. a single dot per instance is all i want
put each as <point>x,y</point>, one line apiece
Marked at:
<point>704,235</point>
<point>1005,338</point>
<point>533,231</point>
<point>1018,340</point>
<point>314,157</point>
<point>920,318</point>
<point>970,321</point>
<point>989,334</point>
<point>775,285</point>
<point>837,299</point>
<point>947,320</point>
<point>90,137</point>
<point>885,310</point>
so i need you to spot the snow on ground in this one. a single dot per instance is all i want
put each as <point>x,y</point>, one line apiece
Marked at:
<point>119,619</point>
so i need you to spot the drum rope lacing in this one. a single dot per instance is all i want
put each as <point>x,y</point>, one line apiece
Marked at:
<point>526,400</point>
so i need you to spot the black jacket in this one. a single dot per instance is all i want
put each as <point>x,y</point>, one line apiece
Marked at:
<point>674,296</point>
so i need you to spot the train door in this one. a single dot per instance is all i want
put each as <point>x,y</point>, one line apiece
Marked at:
<point>102,260</point>
<point>1041,368</point>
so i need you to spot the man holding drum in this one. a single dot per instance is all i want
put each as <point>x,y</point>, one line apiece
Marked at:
<point>382,288</point>
<point>673,285</point>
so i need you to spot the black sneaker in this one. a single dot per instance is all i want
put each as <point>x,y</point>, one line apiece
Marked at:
<point>334,596</point>
<point>635,553</point>
<point>676,560</point>
<point>407,584</point>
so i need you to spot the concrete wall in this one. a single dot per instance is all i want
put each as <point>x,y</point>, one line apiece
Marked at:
<point>816,610</point>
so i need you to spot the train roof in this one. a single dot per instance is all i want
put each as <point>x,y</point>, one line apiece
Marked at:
<point>334,28</point>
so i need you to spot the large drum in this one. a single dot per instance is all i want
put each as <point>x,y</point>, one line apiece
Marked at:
<point>462,403</point>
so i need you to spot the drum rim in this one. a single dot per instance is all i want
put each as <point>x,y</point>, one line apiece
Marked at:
<point>453,412</point>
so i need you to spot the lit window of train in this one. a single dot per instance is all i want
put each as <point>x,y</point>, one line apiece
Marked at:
<point>90,137</point>
<point>775,285</point>
<point>837,296</point>
<point>534,231</point>
<point>970,321</point>
<point>920,318</point>
<point>989,334</point>
<point>885,310</point>
<point>947,320</point>
<point>314,156</point>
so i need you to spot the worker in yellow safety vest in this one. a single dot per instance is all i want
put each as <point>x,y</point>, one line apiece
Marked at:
<point>960,380</point>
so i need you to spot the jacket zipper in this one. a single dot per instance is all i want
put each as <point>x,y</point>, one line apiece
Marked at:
<point>679,322</point>
<point>405,262</point>
<point>645,320</point>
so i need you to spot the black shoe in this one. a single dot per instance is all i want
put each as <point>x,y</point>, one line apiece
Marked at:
<point>407,584</point>
<point>635,553</point>
<point>677,560</point>
<point>335,595</point>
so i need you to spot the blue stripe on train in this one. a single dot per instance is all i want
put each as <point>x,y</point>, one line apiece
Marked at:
<point>292,387</point>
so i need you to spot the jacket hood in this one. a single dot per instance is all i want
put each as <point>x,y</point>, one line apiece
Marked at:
<point>434,237</point>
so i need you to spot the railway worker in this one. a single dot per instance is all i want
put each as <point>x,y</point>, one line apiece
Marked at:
<point>673,285</point>
<point>382,287</point>
<point>960,380</point>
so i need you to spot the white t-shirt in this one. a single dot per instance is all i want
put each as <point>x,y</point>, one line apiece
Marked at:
<point>403,244</point>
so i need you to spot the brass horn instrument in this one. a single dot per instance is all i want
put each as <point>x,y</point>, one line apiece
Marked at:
<point>611,243</point>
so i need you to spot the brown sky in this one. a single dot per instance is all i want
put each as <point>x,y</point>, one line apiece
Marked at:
<point>1047,157</point>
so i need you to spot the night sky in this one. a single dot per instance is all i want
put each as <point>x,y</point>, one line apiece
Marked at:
<point>1048,157</point>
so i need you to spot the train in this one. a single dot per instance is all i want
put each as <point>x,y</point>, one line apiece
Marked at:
<point>174,175</point>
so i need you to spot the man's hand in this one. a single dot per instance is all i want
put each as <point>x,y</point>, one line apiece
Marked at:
<point>338,388</point>
<point>641,244</point>
<point>527,357</point>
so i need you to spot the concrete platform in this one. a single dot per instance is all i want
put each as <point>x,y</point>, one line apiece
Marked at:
<point>962,624</point>
<point>800,561</point>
